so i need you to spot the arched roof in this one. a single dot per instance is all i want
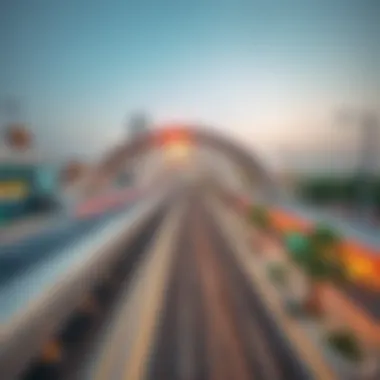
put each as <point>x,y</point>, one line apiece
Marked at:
<point>252,166</point>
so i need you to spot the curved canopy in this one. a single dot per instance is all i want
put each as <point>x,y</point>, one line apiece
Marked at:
<point>253,167</point>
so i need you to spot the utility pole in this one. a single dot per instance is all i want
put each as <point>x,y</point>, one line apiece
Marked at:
<point>368,125</point>
<point>369,149</point>
<point>137,125</point>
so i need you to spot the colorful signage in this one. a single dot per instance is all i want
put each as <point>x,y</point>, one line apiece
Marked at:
<point>169,136</point>
<point>13,191</point>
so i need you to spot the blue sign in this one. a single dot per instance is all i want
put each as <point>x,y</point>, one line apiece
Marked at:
<point>46,180</point>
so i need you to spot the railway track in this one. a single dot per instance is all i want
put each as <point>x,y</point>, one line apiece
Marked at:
<point>186,315</point>
<point>214,324</point>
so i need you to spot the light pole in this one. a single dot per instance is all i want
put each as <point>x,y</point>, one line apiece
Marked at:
<point>137,125</point>
<point>368,148</point>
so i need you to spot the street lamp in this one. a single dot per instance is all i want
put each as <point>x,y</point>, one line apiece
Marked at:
<point>138,124</point>
<point>368,148</point>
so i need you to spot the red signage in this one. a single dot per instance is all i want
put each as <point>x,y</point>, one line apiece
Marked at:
<point>173,135</point>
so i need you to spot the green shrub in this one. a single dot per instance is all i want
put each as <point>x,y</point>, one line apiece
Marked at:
<point>297,245</point>
<point>324,258</point>
<point>259,217</point>
<point>325,237</point>
<point>346,344</point>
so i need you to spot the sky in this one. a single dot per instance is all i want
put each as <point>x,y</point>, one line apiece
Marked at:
<point>270,74</point>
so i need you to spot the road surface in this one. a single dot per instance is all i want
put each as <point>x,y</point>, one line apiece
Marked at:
<point>81,335</point>
<point>29,226</point>
<point>19,256</point>
<point>28,268</point>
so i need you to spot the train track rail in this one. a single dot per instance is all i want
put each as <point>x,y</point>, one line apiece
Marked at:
<point>214,324</point>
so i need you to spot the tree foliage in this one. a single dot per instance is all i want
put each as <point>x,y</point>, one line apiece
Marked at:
<point>317,253</point>
<point>325,238</point>
<point>329,190</point>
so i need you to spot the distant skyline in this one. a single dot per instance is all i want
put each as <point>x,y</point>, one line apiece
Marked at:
<point>267,73</point>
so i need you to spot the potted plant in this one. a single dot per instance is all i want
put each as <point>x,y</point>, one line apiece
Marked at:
<point>279,275</point>
<point>349,358</point>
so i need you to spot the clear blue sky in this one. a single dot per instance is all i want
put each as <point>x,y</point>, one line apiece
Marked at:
<point>261,70</point>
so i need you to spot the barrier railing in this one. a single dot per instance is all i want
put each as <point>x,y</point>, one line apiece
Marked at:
<point>63,284</point>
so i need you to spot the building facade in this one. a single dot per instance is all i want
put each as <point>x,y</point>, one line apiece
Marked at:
<point>26,184</point>
<point>25,189</point>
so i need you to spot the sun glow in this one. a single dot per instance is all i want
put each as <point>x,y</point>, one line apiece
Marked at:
<point>177,151</point>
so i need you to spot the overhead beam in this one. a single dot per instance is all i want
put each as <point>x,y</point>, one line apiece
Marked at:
<point>256,171</point>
